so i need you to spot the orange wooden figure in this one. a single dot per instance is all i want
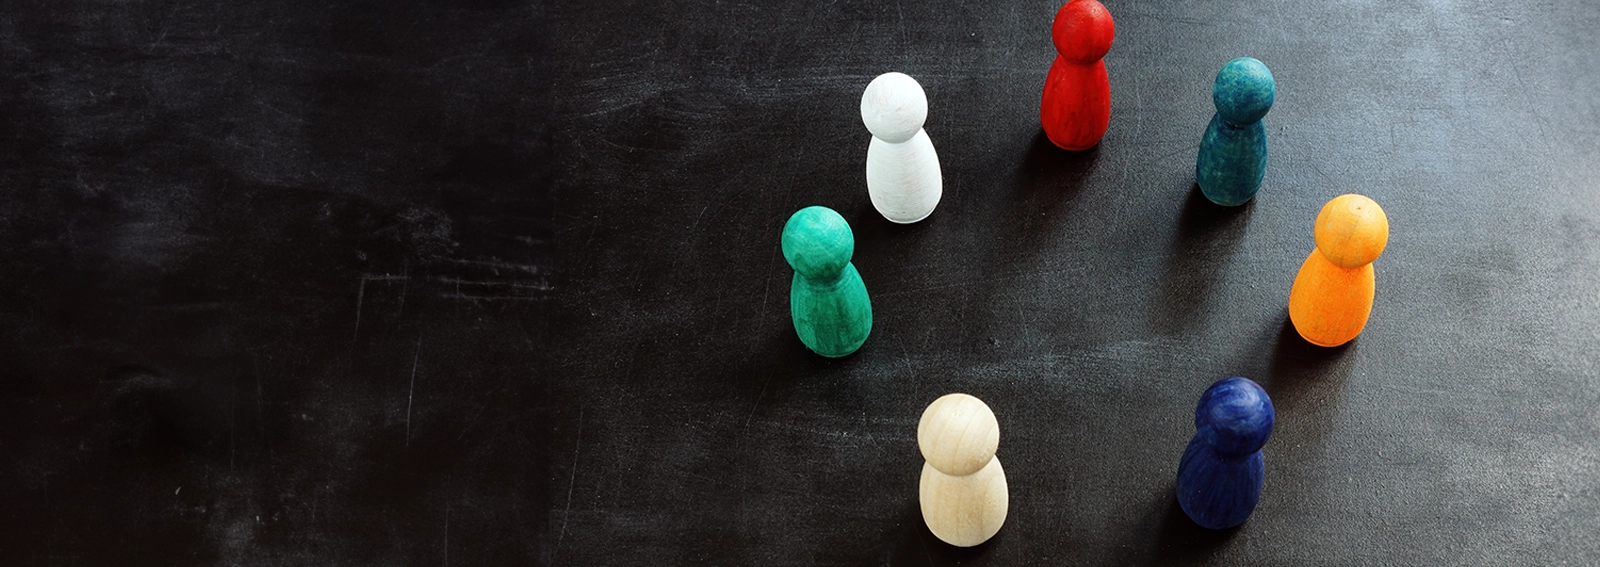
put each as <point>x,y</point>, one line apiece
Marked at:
<point>1332,295</point>
<point>1076,106</point>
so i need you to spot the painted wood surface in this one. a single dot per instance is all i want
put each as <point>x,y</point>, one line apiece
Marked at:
<point>903,175</point>
<point>1222,471</point>
<point>1233,150</point>
<point>1333,292</point>
<point>827,298</point>
<point>1075,107</point>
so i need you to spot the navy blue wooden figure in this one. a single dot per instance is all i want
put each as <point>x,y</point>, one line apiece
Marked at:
<point>1233,152</point>
<point>1220,476</point>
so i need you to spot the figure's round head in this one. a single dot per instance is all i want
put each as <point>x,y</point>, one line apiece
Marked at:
<point>1351,231</point>
<point>1234,416</point>
<point>817,242</point>
<point>894,107</point>
<point>958,434</point>
<point>1083,31</point>
<point>1243,91</point>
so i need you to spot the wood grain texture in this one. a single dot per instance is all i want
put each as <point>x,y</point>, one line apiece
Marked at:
<point>958,434</point>
<point>964,510</point>
<point>962,492</point>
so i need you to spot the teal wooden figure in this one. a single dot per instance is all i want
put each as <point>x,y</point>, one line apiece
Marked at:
<point>1233,152</point>
<point>827,298</point>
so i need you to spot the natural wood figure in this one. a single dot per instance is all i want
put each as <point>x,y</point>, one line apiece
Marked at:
<point>1332,295</point>
<point>903,176</point>
<point>1075,108</point>
<point>963,489</point>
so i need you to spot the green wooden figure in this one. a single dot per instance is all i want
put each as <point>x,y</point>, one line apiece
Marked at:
<point>828,300</point>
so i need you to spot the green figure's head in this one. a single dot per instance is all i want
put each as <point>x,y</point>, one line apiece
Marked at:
<point>1243,91</point>
<point>818,243</point>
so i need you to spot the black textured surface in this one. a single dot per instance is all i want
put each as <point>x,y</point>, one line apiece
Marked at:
<point>277,282</point>
<point>491,282</point>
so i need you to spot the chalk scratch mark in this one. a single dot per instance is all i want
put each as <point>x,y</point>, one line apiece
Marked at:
<point>405,285</point>
<point>412,390</point>
<point>446,535</point>
<point>757,404</point>
<point>361,295</point>
<point>571,481</point>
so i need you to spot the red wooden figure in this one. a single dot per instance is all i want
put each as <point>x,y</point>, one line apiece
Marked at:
<point>1076,107</point>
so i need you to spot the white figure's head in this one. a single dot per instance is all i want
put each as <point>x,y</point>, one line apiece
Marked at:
<point>894,107</point>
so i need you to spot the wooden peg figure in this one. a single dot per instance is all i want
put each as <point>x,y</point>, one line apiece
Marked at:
<point>1332,295</point>
<point>903,176</point>
<point>827,298</point>
<point>963,489</point>
<point>1222,471</point>
<point>1076,106</point>
<point>1233,151</point>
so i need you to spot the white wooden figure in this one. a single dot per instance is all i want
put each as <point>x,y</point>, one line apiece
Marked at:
<point>903,175</point>
<point>963,489</point>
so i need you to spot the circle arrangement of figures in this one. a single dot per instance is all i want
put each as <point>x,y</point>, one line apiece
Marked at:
<point>962,491</point>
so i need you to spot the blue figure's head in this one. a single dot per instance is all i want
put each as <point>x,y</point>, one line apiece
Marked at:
<point>1234,417</point>
<point>818,243</point>
<point>1243,91</point>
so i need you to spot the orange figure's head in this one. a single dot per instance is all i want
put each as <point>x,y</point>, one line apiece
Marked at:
<point>1083,31</point>
<point>1351,231</point>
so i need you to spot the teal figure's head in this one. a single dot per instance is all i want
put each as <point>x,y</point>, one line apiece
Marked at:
<point>1243,91</point>
<point>818,243</point>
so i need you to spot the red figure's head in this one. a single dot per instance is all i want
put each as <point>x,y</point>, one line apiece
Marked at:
<point>1083,31</point>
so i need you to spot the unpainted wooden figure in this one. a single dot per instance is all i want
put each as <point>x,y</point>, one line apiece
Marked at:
<point>963,489</point>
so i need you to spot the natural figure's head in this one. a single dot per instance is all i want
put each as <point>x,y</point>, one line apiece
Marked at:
<point>958,434</point>
<point>818,243</point>
<point>1234,416</point>
<point>894,107</point>
<point>1351,231</point>
<point>1083,31</point>
<point>1243,91</point>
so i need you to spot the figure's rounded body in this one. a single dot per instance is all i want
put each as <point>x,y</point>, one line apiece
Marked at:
<point>1233,151</point>
<point>1219,493</point>
<point>964,510</point>
<point>833,318</point>
<point>903,179</point>
<point>1332,295</point>
<point>1075,107</point>
<point>827,299</point>
<point>1329,305</point>
<point>1232,162</point>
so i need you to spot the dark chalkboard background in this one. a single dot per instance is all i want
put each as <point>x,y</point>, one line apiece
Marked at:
<point>493,283</point>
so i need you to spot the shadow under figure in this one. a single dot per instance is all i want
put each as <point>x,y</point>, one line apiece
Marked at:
<point>1179,539</point>
<point>1045,166</point>
<point>1207,235</point>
